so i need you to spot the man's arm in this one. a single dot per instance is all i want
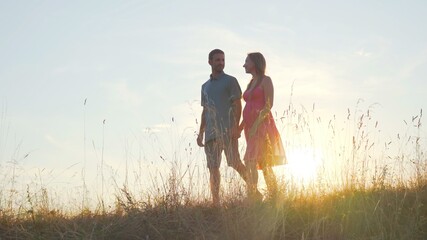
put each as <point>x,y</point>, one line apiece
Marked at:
<point>202,129</point>
<point>237,111</point>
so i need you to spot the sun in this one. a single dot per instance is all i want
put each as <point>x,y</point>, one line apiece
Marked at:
<point>303,164</point>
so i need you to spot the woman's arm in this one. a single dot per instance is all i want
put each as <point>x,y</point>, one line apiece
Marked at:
<point>268,92</point>
<point>267,86</point>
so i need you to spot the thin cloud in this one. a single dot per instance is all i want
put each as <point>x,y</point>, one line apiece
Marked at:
<point>272,28</point>
<point>363,53</point>
<point>50,139</point>
<point>121,92</point>
<point>157,128</point>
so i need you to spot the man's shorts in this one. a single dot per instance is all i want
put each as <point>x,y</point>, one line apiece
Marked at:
<point>214,148</point>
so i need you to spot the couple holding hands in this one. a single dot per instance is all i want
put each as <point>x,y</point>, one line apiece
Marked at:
<point>220,128</point>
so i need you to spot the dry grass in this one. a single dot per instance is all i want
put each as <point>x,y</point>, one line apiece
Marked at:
<point>372,201</point>
<point>390,213</point>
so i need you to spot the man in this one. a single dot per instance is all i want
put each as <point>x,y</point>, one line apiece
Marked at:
<point>221,102</point>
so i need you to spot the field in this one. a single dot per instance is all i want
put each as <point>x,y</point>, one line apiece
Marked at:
<point>371,194</point>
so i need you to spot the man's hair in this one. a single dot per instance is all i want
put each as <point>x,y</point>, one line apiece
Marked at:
<point>213,52</point>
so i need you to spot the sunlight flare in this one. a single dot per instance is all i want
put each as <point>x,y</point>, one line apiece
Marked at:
<point>303,164</point>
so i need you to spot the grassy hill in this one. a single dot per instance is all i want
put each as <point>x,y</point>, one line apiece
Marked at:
<point>387,213</point>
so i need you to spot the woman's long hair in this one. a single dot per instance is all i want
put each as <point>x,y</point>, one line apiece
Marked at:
<point>260,65</point>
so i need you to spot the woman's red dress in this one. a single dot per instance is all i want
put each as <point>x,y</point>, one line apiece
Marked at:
<point>265,146</point>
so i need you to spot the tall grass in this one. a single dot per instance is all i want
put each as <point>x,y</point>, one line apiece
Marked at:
<point>366,187</point>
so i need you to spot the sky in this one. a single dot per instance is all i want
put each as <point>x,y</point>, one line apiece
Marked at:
<point>116,84</point>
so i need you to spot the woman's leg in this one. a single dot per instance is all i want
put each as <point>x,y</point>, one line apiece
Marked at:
<point>252,181</point>
<point>270,179</point>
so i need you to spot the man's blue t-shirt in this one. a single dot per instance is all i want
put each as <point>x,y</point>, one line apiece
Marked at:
<point>218,95</point>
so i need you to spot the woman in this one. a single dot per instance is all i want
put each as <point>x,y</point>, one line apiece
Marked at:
<point>264,147</point>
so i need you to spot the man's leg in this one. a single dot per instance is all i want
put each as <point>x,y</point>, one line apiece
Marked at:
<point>213,156</point>
<point>232,154</point>
<point>231,150</point>
<point>215,182</point>
<point>241,169</point>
